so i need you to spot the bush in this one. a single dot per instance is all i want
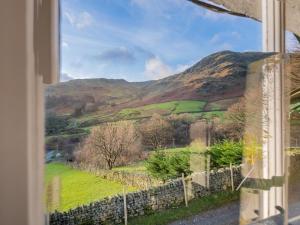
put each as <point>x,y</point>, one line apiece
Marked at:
<point>166,167</point>
<point>226,152</point>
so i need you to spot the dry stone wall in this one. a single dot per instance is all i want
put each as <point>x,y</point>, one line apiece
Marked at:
<point>111,210</point>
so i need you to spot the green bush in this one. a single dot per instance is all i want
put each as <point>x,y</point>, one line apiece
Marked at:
<point>226,152</point>
<point>165,166</point>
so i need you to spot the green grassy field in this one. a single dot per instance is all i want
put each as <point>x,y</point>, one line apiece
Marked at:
<point>79,187</point>
<point>166,107</point>
<point>212,114</point>
<point>195,207</point>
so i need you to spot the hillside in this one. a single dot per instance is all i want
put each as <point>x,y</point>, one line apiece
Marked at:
<point>214,83</point>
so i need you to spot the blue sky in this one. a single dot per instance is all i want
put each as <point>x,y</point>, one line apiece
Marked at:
<point>141,40</point>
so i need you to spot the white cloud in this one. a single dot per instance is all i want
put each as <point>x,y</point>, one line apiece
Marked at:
<point>65,44</point>
<point>156,69</point>
<point>181,68</point>
<point>80,21</point>
<point>65,77</point>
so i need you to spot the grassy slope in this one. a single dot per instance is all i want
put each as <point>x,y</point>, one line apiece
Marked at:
<point>78,187</point>
<point>195,207</point>
<point>172,107</point>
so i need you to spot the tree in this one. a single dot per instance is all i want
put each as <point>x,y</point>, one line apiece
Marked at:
<point>107,143</point>
<point>181,128</point>
<point>226,152</point>
<point>156,132</point>
<point>233,125</point>
<point>165,167</point>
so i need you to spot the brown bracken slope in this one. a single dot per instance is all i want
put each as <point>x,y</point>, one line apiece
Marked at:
<point>218,77</point>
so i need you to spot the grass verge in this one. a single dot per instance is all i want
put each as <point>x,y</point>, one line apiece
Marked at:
<point>195,207</point>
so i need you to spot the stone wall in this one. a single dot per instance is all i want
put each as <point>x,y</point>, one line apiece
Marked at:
<point>111,210</point>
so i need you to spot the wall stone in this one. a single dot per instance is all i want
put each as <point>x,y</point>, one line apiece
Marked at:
<point>111,210</point>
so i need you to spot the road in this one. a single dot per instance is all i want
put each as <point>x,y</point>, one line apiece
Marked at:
<point>225,215</point>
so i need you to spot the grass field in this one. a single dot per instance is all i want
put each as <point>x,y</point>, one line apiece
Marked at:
<point>78,187</point>
<point>165,108</point>
<point>195,207</point>
<point>212,114</point>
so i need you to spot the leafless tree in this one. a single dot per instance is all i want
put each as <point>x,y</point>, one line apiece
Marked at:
<point>156,132</point>
<point>108,143</point>
<point>233,124</point>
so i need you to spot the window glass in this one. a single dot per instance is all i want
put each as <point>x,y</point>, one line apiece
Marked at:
<point>168,112</point>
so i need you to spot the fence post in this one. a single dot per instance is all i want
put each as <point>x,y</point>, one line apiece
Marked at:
<point>231,176</point>
<point>208,171</point>
<point>125,207</point>
<point>184,190</point>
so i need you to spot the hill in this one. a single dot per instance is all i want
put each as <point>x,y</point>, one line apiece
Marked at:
<point>212,84</point>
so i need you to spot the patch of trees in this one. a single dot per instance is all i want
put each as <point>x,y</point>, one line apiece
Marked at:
<point>159,132</point>
<point>56,125</point>
<point>156,132</point>
<point>120,143</point>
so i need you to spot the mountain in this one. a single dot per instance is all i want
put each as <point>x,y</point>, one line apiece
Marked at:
<point>218,79</point>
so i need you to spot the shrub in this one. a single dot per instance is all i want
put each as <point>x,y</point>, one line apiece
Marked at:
<point>226,152</point>
<point>164,167</point>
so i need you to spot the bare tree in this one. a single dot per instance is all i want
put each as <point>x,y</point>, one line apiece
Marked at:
<point>156,132</point>
<point>108,143</point>
<point>233,125</point>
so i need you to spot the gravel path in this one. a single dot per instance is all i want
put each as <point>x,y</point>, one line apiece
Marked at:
<point>225,215</point>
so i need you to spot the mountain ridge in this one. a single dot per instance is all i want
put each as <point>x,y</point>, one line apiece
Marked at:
<point>217,77</point>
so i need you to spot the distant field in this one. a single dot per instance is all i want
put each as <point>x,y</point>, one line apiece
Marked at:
<point>197,109</point>
<point>165,108</point>
<point>212,114</point>
<point>78,187</point>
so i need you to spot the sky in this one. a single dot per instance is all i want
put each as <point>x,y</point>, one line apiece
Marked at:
<point>140,40</point>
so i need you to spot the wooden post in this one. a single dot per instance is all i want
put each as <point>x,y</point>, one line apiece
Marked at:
<point>184,191</point>
<point>208,171</point>
<point>125,207</point>
<point>231,176</point>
